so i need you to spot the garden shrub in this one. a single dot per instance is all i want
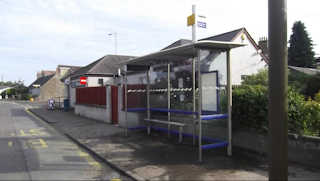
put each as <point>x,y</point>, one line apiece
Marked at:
<point>9,92</point>
<point>311,110</point>
<point>260,78</point>
<point>25,96</point>
<point>250,109</point>
<point>317,97</point>
<point>296,117</point>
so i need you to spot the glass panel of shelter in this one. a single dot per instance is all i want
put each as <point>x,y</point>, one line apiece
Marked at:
<point>214,97</point>
<point>213,64</point>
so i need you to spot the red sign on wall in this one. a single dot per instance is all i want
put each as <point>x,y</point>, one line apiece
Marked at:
<point>83,80</point>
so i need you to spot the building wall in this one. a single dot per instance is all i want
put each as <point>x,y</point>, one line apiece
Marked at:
<point>132,79</point>
<point>72,93</point>
<point>244,61</point>
<point>64,71</point>
<point>35,91</point>
<point>52,89</point>
<point>93,81</point>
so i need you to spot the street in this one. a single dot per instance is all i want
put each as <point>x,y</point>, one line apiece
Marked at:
<point>32,150</point>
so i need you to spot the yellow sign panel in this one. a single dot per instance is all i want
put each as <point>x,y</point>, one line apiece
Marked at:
<point>191,20</point>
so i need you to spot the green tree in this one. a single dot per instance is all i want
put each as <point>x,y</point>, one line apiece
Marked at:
<point>18,85</point>
<point>300,52</point>
<point>8,83</point>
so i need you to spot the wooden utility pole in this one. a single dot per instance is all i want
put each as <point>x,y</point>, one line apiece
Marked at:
<point>278,89</point>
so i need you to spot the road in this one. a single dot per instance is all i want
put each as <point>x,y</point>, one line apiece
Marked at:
<point>32,150</point>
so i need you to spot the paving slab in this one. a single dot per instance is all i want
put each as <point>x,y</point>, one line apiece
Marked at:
<point>153,157</point>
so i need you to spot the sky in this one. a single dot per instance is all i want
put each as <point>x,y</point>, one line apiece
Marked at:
<point>38,35</point>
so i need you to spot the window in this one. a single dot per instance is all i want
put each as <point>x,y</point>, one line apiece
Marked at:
<point>143,80</point>
<point>244,77</point>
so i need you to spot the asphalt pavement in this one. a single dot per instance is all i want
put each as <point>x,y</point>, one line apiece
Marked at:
<point>154,157</point>
<point>31,149</point>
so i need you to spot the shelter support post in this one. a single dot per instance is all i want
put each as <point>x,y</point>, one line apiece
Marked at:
<point>229,92</point>
<point>200,104</point>
<point>126,100</point>
<point>148,98</point>
<point>278,90</point>
<point>168,97</point>
<point>194,98</point>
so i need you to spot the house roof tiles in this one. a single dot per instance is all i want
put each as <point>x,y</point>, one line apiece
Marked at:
<point>106,65</point>
<point>41,81</point>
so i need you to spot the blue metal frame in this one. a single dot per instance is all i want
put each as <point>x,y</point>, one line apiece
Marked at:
<point>135,128</point>
<point>137,109</point>
<point>215,116</point>
<point>215,145</point>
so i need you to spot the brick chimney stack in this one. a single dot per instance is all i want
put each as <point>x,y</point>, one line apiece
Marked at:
<point>39,74</point>
<point>263,44</point>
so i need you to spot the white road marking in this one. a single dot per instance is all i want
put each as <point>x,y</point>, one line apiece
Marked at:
<point>29,106</point>
<point>23,106</point>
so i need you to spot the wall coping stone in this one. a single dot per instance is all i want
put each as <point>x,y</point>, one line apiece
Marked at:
<point>91,105</point>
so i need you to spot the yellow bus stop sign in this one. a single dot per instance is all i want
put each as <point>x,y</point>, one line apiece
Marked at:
<point>191,20</point>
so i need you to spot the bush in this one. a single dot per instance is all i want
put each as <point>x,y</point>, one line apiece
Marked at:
<point>296,117</point>
<point>302,83</point>
<point>250,103</point>
<point>9,92</point>
<point>311,110</point>
<point>25,96</point>
<point>260,78</point>
<point>24,90</point>
<point>313,85</point>
<point>299,82</point>
<point>250,109</point>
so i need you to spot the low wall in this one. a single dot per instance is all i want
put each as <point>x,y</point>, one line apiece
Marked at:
<point>134,119</point>
<point>100,113</point>
<point>303,150</point>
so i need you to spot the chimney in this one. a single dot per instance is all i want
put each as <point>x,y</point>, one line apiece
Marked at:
<point>263,44</point>
<point>39,74</point>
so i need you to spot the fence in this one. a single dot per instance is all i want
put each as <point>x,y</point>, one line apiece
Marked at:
<point>137,96</point>
<point>58,102</point>
<point>91,95</point>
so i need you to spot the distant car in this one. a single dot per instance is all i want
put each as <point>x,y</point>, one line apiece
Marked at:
<point>0,97</point>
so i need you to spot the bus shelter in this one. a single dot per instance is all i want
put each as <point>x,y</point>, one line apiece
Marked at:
<point>190,82</point>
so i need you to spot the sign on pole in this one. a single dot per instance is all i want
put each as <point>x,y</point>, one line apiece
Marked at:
<point>83,80</point>
<point>191,20</point>
<point>201,21</point>
<point>201,24</point>
<point>197,19</point>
